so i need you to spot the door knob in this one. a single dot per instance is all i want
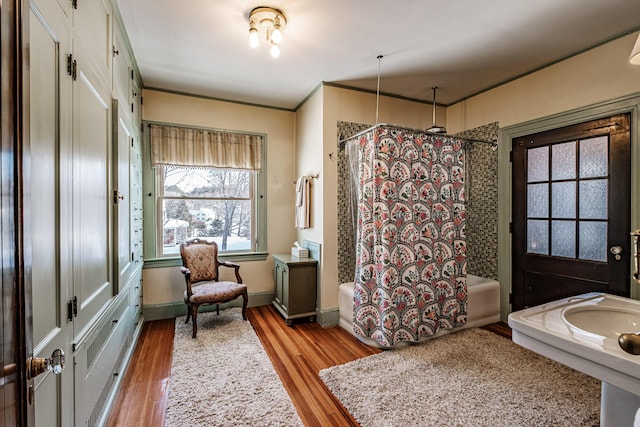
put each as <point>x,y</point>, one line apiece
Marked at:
<point>37,365</point>
<point>616,251</point>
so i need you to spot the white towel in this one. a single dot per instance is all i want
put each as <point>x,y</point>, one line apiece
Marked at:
<point>302,202</point>
<point>299,190</point>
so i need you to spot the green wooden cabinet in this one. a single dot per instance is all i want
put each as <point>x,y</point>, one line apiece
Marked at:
<point>295,280</point>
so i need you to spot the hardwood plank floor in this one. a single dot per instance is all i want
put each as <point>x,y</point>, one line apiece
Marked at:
<point>142,400</point>
<point>297,352</point>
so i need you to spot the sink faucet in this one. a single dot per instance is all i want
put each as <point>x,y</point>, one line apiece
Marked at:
<point>630,343</point>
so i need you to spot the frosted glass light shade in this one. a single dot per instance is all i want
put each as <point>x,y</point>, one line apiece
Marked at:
<point>634,58</point>
<point>276,35</point>
<point>254,38</point>
<point>275,50</point>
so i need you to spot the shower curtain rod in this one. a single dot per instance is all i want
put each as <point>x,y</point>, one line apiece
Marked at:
<point>342,142</point>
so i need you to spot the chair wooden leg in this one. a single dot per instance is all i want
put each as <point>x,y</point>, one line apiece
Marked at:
<point>245,300</point>
<point>194,316</point>
<point>188,313</point>
<point>218,309</point>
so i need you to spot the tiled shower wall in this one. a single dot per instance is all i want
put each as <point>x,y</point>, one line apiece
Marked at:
<point>482,203</point>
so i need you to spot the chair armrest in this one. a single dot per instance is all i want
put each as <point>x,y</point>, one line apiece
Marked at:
<point>228,264</point>
<point>187,279</point>
<point>233,265</point>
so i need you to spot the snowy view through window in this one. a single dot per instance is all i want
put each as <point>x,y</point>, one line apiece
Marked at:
<point>209,203</point>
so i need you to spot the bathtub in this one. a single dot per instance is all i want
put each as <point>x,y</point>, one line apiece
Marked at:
<point>483,306</point>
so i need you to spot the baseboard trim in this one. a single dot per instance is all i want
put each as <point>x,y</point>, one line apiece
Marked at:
<point>124,365</point>
<point>328,317</point>
<point>178,308</point>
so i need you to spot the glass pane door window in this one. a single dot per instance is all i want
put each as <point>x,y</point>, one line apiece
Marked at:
<point>567,199</point>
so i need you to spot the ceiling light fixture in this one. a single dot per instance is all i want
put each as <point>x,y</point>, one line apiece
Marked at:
<point>435,128</point>
<point>634,58</point>
<point>270,22</point>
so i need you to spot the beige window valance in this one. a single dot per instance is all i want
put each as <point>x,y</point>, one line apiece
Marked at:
<point>180,146</point>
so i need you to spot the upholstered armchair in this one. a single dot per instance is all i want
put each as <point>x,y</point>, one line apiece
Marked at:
<point>200,268</point>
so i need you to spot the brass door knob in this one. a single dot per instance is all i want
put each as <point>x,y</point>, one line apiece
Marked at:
<point>38,365</point>
<point>616,251</point>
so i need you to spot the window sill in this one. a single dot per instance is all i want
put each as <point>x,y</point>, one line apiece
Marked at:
<point>177,261</point>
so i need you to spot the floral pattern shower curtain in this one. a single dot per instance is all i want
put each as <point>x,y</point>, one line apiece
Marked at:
<point>410,277</point>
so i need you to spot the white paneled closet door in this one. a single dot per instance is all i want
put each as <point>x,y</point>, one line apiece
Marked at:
<point>97,335</point>
<point>123,144</point>
<point>92,37</point>
<point>48,195</point>
<point>93,283</point>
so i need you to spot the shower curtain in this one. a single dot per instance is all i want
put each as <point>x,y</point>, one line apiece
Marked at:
<point>410,276</point>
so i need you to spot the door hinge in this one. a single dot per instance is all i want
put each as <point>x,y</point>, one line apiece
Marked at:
<point>511,227</point>
<point>117,196</point>
<point>74,4</point>
<point>510,298</point>
<point>511,156</point>
<point>72,67</point>
<point>72,309</point>
<point>70,64</point>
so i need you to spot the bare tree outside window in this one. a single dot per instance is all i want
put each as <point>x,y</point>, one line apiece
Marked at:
<point>210,203</point>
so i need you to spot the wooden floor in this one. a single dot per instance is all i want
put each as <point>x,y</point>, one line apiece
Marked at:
<point>297,352</point>
<point>142,400</point>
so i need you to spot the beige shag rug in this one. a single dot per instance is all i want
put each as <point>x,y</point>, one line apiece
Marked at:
<point>224,377</point>
<point>468,378</point>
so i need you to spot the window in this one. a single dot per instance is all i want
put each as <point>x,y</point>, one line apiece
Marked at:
<point>208,203</point>
<point>207,184</point>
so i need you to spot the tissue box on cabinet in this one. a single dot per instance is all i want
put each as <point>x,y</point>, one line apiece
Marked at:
<point>300,252</point>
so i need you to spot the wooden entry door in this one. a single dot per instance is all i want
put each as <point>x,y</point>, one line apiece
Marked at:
<point>571,212</point>
<point>48,199</point>
<point>15,303</point>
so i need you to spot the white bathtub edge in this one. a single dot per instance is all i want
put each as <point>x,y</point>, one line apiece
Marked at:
<point>485,293</point>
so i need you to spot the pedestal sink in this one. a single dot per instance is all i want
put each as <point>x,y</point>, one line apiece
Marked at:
<point>582,332</point>
<point>603,321</point>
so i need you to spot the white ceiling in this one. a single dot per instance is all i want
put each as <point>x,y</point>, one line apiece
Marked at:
<point>462,46</point>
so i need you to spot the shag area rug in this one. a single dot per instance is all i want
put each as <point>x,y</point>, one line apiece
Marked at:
<point>224,377</point>
<point>468,378</point>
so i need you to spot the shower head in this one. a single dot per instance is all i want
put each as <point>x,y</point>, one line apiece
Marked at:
<point>435,128</point>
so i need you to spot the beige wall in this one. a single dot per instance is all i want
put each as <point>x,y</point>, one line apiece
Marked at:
<point>310,161</point>
<point>597,75</point>
<point>166,285</point>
